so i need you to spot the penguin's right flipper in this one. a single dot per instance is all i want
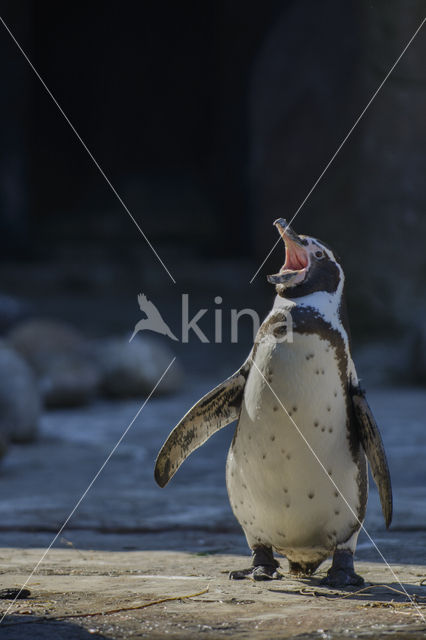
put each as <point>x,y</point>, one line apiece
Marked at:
<point>215,410</point>
<point>372,444</point>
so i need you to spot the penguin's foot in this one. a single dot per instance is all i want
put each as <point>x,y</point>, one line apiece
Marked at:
<point>264,566</point>
<point>261,572</point>
<point>342,572</point>
<point>342,578</point>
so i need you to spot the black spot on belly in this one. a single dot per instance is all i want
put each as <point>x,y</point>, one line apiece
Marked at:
<point>287,505</point>
<point>244,486</point>
<point>336,512</point>
<point>328,408</point>
<point>322,428</point>
<point>275,408</point>
<point>316,423</point>
<point>282,450</point>
<point>330,430</point>
<point>336,494</point>
<point>288,456</point>
<point>317,371</point>
<point>294,408</point>
<point>285,490</point>
<point>311,495</point>
<point>264,456</point>
<point>335,394</point>
<point>272,438</point>
<point>322,371</point>
<point>330,472</point>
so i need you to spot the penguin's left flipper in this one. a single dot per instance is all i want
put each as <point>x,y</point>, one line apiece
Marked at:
<point>215,410</point>
<point>372,444</point>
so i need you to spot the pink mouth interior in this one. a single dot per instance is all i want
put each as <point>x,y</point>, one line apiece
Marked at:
<point>295,257</point>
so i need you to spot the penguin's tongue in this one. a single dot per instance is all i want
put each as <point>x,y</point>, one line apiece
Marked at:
<point>295,256</point>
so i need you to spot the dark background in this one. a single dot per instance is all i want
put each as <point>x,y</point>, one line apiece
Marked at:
<point>211,119</point>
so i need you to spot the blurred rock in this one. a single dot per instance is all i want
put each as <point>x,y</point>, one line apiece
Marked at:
<point>133,368</point>
<point>12,310</point>
<point>20,402</point>
<point>62,359</point>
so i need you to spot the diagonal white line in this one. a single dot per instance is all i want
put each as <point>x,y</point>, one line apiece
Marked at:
<point>333,157</point>
<point>96,476</point>
<point>342,496</point>
<point>95,162</point>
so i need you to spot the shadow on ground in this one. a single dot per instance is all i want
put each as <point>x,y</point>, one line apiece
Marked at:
<point>15,628</point>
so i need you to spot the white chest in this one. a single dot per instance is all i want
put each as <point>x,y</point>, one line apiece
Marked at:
<point>278,471</point>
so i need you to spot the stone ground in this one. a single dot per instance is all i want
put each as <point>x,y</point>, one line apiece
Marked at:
<point>73,583</point>
<point>130,543</point>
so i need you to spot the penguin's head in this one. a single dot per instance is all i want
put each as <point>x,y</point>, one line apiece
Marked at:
<point>309,266</point>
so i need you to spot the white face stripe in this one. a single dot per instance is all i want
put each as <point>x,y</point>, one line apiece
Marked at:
<point>315,245</point>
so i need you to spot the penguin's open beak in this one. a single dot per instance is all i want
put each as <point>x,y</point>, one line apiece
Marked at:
<point>296,256</point>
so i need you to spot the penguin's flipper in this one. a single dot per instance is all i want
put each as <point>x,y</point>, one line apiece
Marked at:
<point>372,444</point>
<point>215,410</point>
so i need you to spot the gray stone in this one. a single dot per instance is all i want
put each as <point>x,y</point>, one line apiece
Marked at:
<point>61,358</point>
<point>12,310</point>
<point>131,369</point>
<point>20,402</point>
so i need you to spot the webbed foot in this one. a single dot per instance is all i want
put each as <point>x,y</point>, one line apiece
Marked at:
<point>342,578</point>
<point>261,572</point>
<point>264,566</point>
<point>342,572</point>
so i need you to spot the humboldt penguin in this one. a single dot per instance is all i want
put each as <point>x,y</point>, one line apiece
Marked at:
<point>296,471</point>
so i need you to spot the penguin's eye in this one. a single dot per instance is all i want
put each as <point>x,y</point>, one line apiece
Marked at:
<point>319,254</point>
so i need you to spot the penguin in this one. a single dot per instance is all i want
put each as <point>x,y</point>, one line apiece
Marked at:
<point>296,470</point>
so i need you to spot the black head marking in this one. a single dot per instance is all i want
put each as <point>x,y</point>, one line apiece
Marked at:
<point>323,275</point>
